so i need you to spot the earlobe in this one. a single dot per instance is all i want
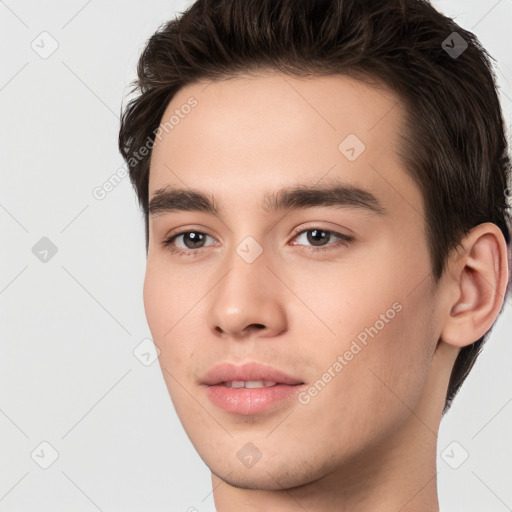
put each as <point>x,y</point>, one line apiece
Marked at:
<point>479,282</point>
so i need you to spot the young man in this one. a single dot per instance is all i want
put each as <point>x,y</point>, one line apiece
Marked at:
<point>324,186</point>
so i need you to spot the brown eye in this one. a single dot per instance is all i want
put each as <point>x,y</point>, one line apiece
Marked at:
<point>193,239</point>
<point>317,236</point>
<point>318,239</point>
<point>190,245</point>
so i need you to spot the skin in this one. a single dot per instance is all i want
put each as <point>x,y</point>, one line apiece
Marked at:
<point>367,441</point>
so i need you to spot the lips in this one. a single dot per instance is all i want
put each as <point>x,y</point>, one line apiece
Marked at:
<point>250,389</point>
<point>252,371</point>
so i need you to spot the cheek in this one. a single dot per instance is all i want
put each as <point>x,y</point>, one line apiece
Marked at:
<point>381,313</point>
<point>168,293</point>
<point>171,304</point>
<point>381,379</point>
<point>163,305</point>
<point>155,301</point>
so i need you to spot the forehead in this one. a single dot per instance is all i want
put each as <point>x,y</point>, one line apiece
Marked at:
<point>250,135</point>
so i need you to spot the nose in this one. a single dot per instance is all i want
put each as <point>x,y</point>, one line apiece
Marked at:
<point>248,300</point>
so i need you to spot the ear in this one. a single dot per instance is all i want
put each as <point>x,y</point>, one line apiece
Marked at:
<point>477,284</point>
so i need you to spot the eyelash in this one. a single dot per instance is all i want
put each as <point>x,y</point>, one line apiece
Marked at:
<point>192,253</point>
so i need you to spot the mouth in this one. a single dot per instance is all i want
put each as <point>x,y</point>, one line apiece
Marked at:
<point>250,389</point>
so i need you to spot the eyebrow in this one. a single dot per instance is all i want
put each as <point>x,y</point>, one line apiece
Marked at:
<point>169,199</point>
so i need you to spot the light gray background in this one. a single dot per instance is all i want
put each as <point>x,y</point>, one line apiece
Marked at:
<point>69,326</point>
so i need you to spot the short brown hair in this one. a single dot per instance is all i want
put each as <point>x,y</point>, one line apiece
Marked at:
<point>454,145</point>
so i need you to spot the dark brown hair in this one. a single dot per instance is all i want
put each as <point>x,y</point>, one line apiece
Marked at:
<point>453,145</point>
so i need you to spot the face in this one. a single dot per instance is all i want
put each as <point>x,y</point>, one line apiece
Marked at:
<point>334,290</point>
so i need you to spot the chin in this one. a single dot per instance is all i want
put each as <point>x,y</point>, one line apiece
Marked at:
<point>266,475</point>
